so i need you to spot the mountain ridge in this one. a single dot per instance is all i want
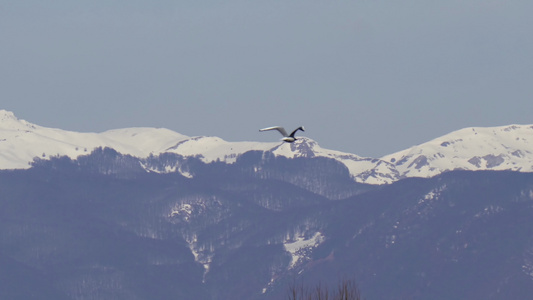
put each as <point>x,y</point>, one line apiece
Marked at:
<point>475,148</point>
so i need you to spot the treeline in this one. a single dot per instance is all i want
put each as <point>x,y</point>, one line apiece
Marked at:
<point>346,290</point>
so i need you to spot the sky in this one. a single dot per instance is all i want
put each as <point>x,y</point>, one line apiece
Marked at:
<point>364,77</point>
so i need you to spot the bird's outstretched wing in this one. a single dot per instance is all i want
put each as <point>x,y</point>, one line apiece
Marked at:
<point>278,128</point>
<point>299,128</point>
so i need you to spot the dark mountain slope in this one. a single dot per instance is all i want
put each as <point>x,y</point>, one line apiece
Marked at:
<point>101,227</point>
<point>462,235</point>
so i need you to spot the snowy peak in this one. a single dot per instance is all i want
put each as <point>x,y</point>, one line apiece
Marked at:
<point>476,148</point>
<point>302,147</point>
<point>21,141</point>
<point>7,116</point>
<point>8,121</point>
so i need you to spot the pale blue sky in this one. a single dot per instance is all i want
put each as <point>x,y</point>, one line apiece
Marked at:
<point>365,77</point>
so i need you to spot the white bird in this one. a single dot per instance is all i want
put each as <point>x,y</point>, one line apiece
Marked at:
<point>289,138</point>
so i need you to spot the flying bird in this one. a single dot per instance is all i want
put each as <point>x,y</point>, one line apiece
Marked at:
<point>289,138</point>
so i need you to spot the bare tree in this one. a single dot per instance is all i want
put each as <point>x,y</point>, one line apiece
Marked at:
<point>346,290</point>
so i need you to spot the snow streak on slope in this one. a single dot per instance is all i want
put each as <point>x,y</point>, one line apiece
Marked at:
<point>302,247</point>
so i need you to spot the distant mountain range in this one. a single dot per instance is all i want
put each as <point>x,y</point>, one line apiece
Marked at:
<point>144,213</point>
<point>102,227</point>
<point>494,148</point>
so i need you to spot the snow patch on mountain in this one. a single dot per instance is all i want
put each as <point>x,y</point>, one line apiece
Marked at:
<point>182,210</point>
<point>211,149</point>
<point>202,254</point>
<point>301,247</point>
<point>488,211</point>
<point>527,267</point>
<point>168,169</point>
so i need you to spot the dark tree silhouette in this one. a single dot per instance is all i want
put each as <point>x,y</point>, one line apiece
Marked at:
<point>346,290</point>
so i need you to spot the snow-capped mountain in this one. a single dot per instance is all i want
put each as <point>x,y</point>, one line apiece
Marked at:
<point>477,148</point>
<point>21,142</point>
<point>495,148</point>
